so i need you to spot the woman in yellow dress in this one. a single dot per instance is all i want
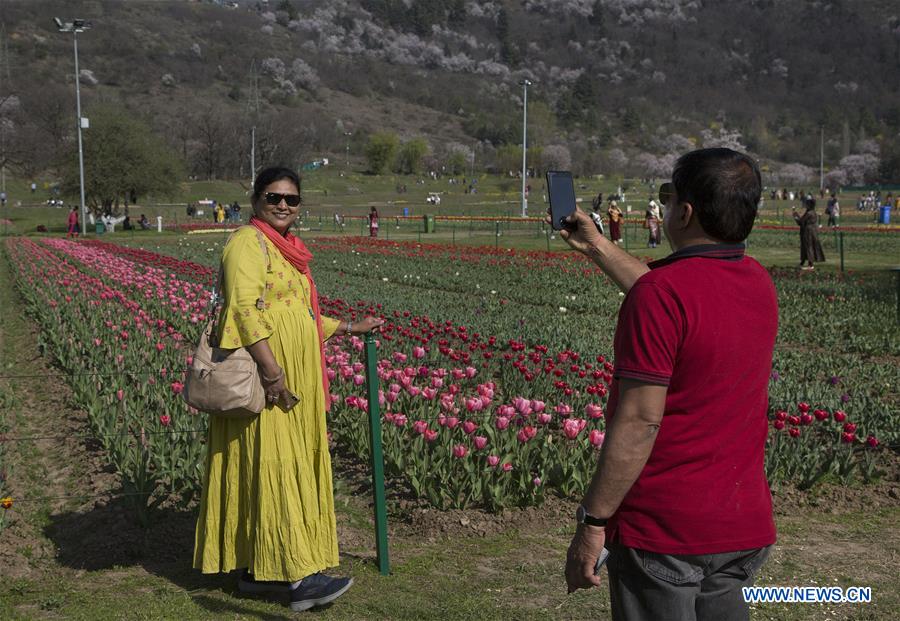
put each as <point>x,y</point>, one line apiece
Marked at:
<point>267,504</point>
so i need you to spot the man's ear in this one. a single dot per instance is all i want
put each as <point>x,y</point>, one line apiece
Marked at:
<point>684,213</point>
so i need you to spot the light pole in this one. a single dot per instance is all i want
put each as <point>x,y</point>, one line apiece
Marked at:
<point>525,84</point>
<point>76,26</point>
<point>821,158</point>
<point>348,135</point>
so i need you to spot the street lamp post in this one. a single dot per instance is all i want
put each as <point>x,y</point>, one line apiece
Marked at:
<point>525,85</point>
<point>76,26</point>
<point>348,135</point>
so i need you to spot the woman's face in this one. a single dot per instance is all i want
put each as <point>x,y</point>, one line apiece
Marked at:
<point>280,216</point>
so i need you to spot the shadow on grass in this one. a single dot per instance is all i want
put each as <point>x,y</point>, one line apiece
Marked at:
<point>109,536</point>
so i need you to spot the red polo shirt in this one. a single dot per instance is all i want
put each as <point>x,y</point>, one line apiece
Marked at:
<point>701,322</point>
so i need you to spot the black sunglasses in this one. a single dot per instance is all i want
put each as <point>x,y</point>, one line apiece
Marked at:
<point>666,192</point>
<point>274,198</point>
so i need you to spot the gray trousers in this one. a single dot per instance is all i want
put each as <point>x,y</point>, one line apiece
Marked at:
<point>647,586</point>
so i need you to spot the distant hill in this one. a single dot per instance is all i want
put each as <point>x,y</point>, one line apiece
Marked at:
<point>619,85</point>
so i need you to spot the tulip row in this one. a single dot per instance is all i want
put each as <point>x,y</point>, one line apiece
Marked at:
<point>469,418</point>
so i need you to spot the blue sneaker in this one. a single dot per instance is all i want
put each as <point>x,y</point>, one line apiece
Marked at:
<point>318,590</point>
<point>248,584</point>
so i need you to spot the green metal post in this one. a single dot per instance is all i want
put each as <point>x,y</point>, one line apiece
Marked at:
<point>897,271</point>
<point>381,540</point>
<point>497,234</point>
<point>841,241</point>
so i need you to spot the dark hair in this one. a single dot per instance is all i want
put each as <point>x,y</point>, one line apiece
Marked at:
<point>270,175</point>
<point>724,187</point>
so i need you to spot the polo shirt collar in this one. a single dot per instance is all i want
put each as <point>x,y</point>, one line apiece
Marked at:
<point>728,252</point>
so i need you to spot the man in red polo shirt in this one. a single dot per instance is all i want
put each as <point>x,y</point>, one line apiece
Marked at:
<point>680,497</point>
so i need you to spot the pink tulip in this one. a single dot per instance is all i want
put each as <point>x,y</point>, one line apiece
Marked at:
<point>536,481</point>
<point>592,410</point>
<point>400,420</point>
<point>120,394</point>
<point>451,422</point>
<point>359,380</point>
<point>501,423</point>
<point>177,387</point>
<point>165,419</point>
<point>420,427</point>
<point>418,352</point>
<point>493,460</point>
<point>596,437</point>
<point>506,410</point>
<point>563,409</point>
<point>437,382</point>
<point>392,396</point>
<point>460,451</point>
<point>414,391</point>
<point>481,441</point>
<point>507,467</point>
<point>430,436</point>
<point>474,404</point>
<point>470,372</point>
<point>331,374</point>
<point>543,418</point>
<point>469,427</point>
<point>573,426</point>
<point>537,406</point>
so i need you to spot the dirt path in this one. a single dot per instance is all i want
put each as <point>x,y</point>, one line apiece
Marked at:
<point>52,461</point>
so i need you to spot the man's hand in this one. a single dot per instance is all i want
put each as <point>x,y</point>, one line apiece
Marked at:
<point>583,234</point>
<point>585,549</point>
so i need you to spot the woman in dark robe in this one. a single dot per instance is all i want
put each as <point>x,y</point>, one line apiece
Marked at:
<point>810,248</point>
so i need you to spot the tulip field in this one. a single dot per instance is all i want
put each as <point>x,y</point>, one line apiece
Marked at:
<point>493,364</point>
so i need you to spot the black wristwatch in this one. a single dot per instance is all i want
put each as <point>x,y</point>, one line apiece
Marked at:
<point>583,517</point>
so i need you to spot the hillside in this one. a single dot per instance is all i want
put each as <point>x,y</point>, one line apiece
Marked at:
<point>618,84</point>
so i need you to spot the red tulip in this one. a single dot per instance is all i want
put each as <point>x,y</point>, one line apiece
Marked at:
<point>850,427</point>
<point>848,437</point>
<point>872,441</point>
<point>794,431</point>
<point>840,416</point>
<point>778,424</point>
<point>165,419</point>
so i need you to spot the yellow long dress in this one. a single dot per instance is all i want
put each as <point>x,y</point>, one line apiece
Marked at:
<point>267,501</point>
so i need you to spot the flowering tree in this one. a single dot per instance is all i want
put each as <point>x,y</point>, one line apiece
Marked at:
<point>860,168</point>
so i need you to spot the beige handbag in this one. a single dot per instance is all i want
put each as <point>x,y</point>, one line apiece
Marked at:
<point>225,382</point>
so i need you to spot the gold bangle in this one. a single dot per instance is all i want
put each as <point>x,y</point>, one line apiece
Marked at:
<point>272,380</point>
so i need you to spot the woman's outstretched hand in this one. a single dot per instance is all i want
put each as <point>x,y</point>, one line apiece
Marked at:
<point>367,325</point>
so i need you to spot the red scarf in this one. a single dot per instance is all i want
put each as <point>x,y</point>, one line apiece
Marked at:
<point>294,250</point>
